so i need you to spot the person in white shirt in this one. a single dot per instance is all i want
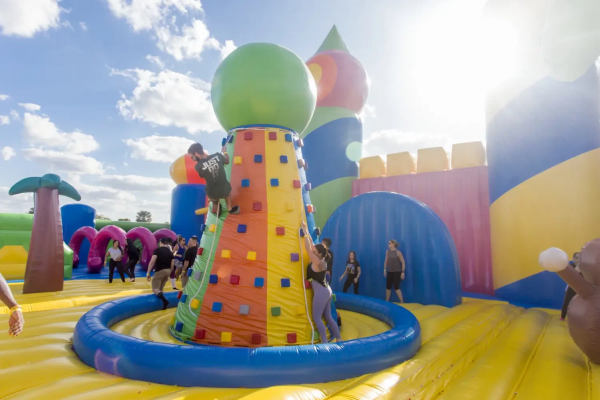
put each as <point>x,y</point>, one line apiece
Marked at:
<point>116,254</point>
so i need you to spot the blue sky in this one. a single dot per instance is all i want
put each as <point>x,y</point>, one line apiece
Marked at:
<point>107,93</point>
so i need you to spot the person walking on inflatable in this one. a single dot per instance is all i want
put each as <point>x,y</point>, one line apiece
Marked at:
<point>162,261</point>
<point>393,270</point>
<point>16,321</point>
<point>211,168</point>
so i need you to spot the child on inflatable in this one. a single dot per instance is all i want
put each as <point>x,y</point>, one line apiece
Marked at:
<point>211,168</point>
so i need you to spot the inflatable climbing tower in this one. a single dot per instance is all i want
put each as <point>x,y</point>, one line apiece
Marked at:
<point>247,286</point>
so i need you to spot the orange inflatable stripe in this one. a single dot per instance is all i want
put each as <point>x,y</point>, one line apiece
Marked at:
<point>233,296</point>
<point>190,172</point>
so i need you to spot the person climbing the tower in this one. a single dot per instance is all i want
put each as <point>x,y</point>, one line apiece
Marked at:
<point>393,270</point>
<point>322,294</point>
<point>162,260</point>
<point>212,169</point>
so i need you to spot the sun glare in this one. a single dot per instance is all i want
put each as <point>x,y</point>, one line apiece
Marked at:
<point>459,55</point>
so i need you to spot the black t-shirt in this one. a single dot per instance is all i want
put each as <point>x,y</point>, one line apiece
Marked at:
<point>190,256</point>
<point>212,169</point>
<point>352,268</point>
<point>330,262</point>
<point>164,256</point>
<point>133,253</point>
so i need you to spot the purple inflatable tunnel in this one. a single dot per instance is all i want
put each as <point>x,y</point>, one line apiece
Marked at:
<point>148,242</point>
<point>98,248</point>
<point>85,232</point>
<point>164,232</point>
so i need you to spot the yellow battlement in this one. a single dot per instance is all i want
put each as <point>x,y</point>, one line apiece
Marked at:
<point>433,159</point>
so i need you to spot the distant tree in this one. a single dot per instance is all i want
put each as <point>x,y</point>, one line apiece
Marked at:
<point>124,219</point>
<point>143,216</point>
<point>102,217</point>
<point>30,211</point>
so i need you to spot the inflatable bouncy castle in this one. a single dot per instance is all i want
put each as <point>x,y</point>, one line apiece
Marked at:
<point>470,225</point>
<point>334,136</point>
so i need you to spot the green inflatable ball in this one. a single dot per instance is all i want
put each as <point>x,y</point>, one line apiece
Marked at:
<point>263,84</point>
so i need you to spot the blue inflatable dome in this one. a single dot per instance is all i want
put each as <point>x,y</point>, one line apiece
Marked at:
<point>366,223</point>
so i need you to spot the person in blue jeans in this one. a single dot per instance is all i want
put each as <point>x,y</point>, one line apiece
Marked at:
<point>322,294</point>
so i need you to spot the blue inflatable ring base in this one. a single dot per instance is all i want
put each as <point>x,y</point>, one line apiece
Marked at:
<point>235,367</point>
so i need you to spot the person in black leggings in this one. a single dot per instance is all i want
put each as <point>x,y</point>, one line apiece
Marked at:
<point>133,257</point>
<point>570,293</point>
<point>352,271</point>
<point>116,254</point>
<point>393,270</point>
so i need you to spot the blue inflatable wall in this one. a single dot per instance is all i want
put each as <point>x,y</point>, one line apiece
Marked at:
<point>367,222</point>
<point>185,200</point>
<point>75,216</point>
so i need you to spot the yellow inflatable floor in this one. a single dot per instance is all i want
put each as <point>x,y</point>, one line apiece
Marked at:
<point>477,351</point>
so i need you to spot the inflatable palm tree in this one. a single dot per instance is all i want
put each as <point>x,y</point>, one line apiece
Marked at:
<point>45,261</point>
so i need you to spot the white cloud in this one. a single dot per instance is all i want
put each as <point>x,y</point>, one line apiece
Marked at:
<point>15,204</point>
<point>4,120</point>
<point>390,141</point>
<point>64,161</point>
<point>138,183</point>
<point>158,148</point>
<point>182,42</point>
<point>83,26</point>
<point>227,48</point>
<point>4,97</point>
<point>368,111</point>
<point>169,99</point>
<point>30,106</point>
<point>115,199</point>
<point>27,17</point>
<point>14,115</point>
<point>156,61</point>
<point>7,153</point>
<point>40,130</point>
<point>194,40</point>
<point>146,14</point>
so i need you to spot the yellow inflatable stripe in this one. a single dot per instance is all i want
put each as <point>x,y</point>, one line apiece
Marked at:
<point>559,369</point>
<point>531,217</point>
<point>439,323</point>
<point>286,392</point>
<point>66,387</point>
<point>428,371</point>
<point>503,365</point>
<point>13,358</point>
<point>423,313</point>
<point>279,248</point>
<point>594,381</point>
<point>77,294</point>
<point>128,389</point>
<point>21,377</point>
<point>25,343</point>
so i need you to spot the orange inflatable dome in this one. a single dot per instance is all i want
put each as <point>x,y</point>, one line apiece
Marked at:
<point>182,171</point>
